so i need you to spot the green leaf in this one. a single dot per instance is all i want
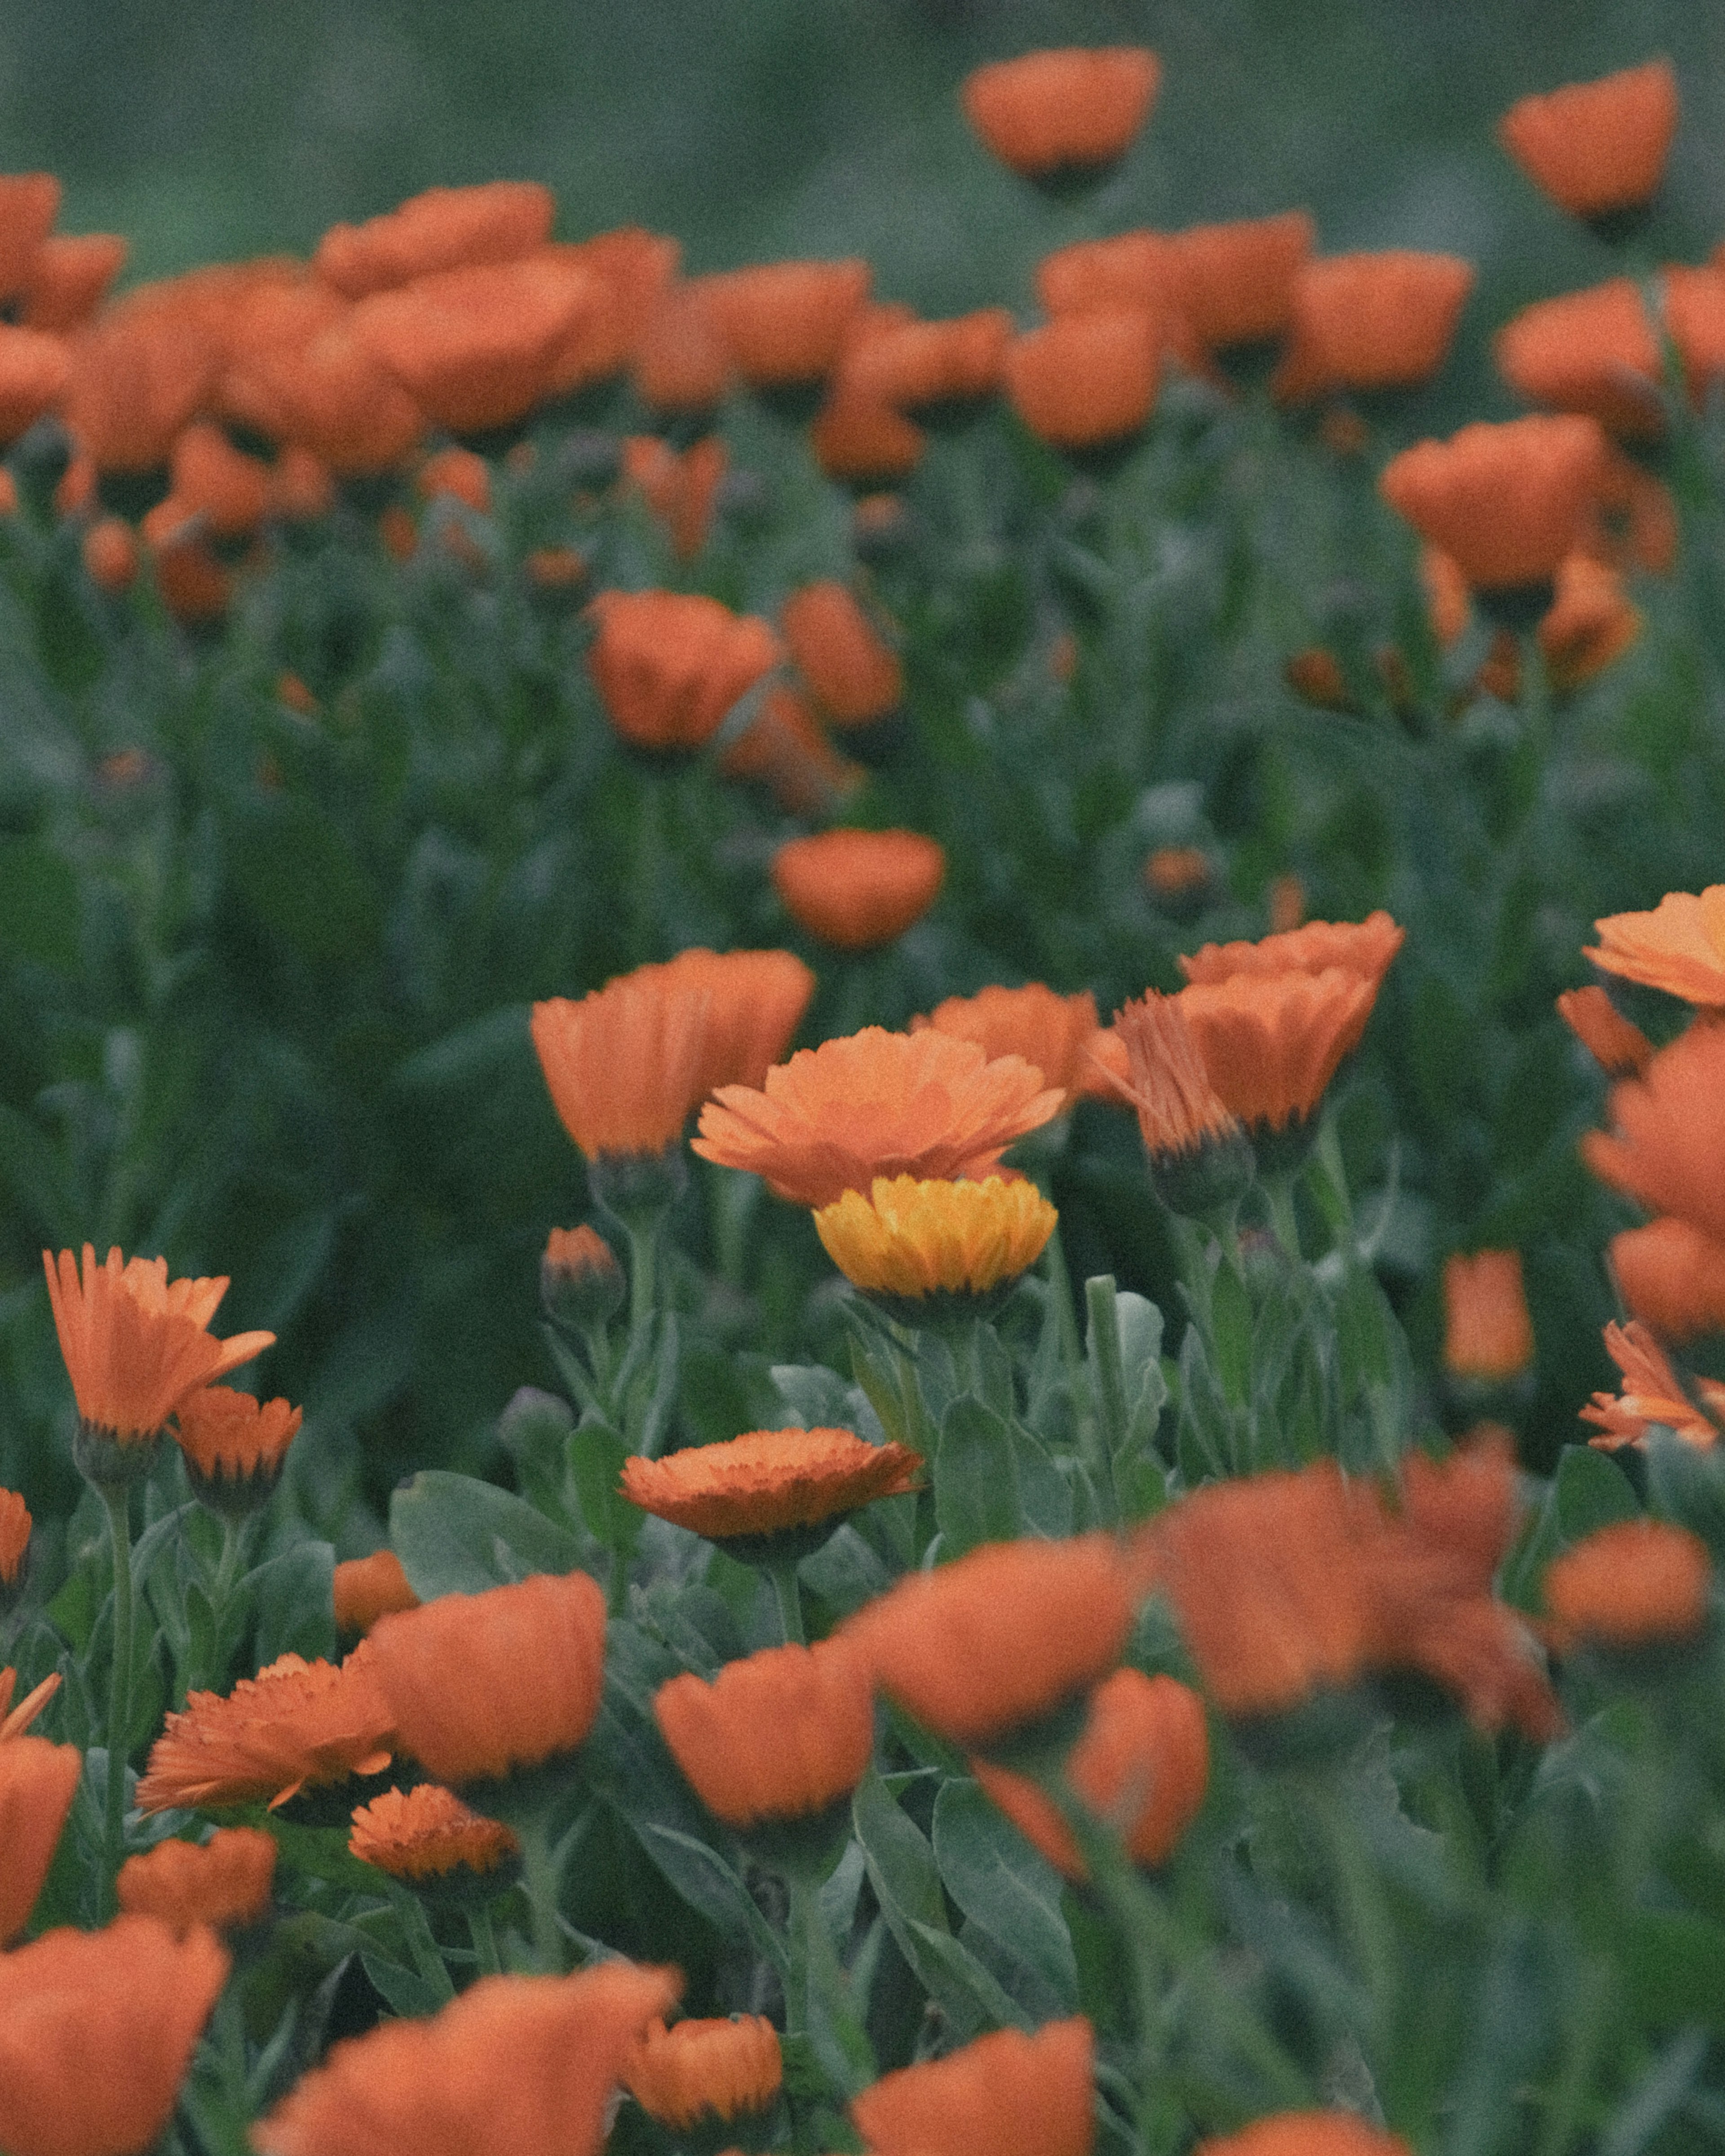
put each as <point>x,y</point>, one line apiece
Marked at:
<point>404,1990</point>
<point>457,1536</point>
<point>1592,1492</point>
<point>1006,1888</point>
<point>1674,1971</point>
<point>295,1604</point>
<point>976,1484</point>
<point>707,1882</point>
<point>38,905</point>
<point>299,877</point>
<point>596,1457</point>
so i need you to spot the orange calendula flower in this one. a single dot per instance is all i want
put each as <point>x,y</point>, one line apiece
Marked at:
<point>37,1782</point>
<point>694,2070</point>
<point>1630,1584</point>
<point>783,322</point>
<point>212,480</point>
<point>518,2062</point>
<point>224,1883</point>
<point>669,665</point>
<point>1594,351</point>
<point>33,368</point>
<point>998,1637</point>
<point>1307,2134</point>
<point>910,1241</point>
<point>30,203</point>
<point>97,2030</point>
<point>786,749</point>
<point>1672,1277</point>
<point>1009,2093</point>
<point>1487,1332</point>
<point>580,1281</point>
<point>854,674</point>
<point>1235,283</point>
<point>1618,1045</point>
<point>14,1538</point>
<point>1272,1043</point>
<point>679,489</point>
<point>1083,380</point>
<point>1178,872</point>
<point>1363,948</point>
<point>428,1833</point>
<point>456,474</point>
<point>768,1481</point>
<point>476,1685</point>
<point>497,222</point>
<point>111,554</point>
<point>1593,147</point>
<point>875,1104</point>
<point>326,396</point>
<point>1180,1113</point>
<point>1591,623</point>
<point>1072,109</point>
<point>1651,1396</point>
<point>233,1445</point>
<point>1050,1031</point>
<point>1507,502</point>
<point>296,1725</point>
<point>864,441</point>
<point>856,889</point>
<point>1668,1147</point>
<point>1371,321</point>
<point>69,274</point>
<point>368,1588</point>
<point>681,361</point>
<point>1679,946</point>
<point>817,1703</point>
<point>911,365</point>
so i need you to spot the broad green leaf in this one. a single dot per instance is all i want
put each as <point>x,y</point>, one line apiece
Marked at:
<point>295,1603</point>
<point>1005,1888</point>
<point>457,1536</point>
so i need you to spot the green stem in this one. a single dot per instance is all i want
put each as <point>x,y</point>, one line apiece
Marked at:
<point>119,1690</point>
<point>617,1586</point>
<point>804,1912</point>
<point>428,1955</point>
<point>1279,1194</point>
<point>1100,1301</point>
<point>539,1876</point>
<point>1059,1284</point>
<point>228,1570</point>
<point>643,1254</point>
<point>485,1942</point>
<point>785,1586</point>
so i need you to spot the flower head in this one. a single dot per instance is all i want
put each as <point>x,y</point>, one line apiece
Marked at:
<point>297,1724</point>
<point>233,1446</point>
<point>706,2069</point>
<point>863,439</point>
<point>911,1240</point>
<point>368,1588</point>
<point>681,361</point>
<point>1679,946</point>
<point>1272,1042</point>
<point>1235,283</point>
<point>1487,1332</point>
<point>1508,501</point>
<point>783,322</point>
<point>680,489</point>
<point>1630,1584</point>
<point>325,394</point>
<point>1083,380</point>
<point>855,674</point>
<point>786,749</point>
<point>768,1481</point>
<point>1672,1277</point>
<point>1050,1030</point>
<point>109,554</point>
<point>1009,2093</point>
<point>1072,109</point>
<point>1137,271</point>
<point>1371,321</point>
<point>908,367</point>
<point>1181,1116</point>
<point>14,1538</point>
<point>669,665</point>
<point>1593,352</point>
<point>1668,1147</point>
<point>224,1883</point>
<point>428,1833</point>
<point>580,1281</point>
<point>70,273</point>
<point>1590,622</point>
<point>1618,1045</point>
<point>858,889</point>
<point>816,1701</point>
<point>440,229</point>
<point>1597,147</point>
<point>1363,948</point>
<point>37,1782</point>
<point>1651,1396</point>
<point>1307,2134</point>
<point>875,1104</point>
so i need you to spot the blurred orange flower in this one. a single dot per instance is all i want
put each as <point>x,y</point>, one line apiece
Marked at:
<point>33,368</point>
<point>1307,2134</point>
<point>1597,147</point>
<point>768,1480</point>
<point>327,395</point>
<point>785,748</point>
<point>1590,622</point>
<point>442,229</point>
<point>1178,872</point>
<point>37,1782</point>
<point>297,1724</point>
<point>680,489</point>
<point>1487,1332</point>
<point>68,275</point>
<point>669,665</point>
<point>864,441</point>
<point>111,554</point>
<point>368,1588</point>
<point>29,203</point>
<point>1133,271</point>
<point>706,2069</point>
<point>1592,351</point>
<point>1508,501</point>
<point>816,1702</point>
<point>1083,380</point>
<point>681,361</point>
<point>1652,1395</point>
<point>1672,1277</point>
<point>1234,284</point>
<point>138,373</point>
<point>632,269</point>
<point>853,672</point>
<point>856,889</point>
<point>1679,946</point>
<point>233,1445</point>
<point>14,1540</point>
<point>212,480</point>
<point>1069,109</point>
<point>224,1883</point>
<point>1008,2093</point>
<point>909,366</point>
<point>1050,1030</point>
<point>1371,321</point>
<point>1620,1048</point>
<point>458,475</point>
<point>783,322</point>
<point>427,1834</point>
<point>1668,1147</point>
<point>1628,1585</point>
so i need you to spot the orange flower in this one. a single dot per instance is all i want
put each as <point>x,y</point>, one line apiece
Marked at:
<point>1235,283</point>
<point>706,2069</point>
<point>1176,872</point>
<point>1272,1042</point>
<point>755,1002</point>
<point>1620,1048</point>
<point>768,1481</point>
<point>212,480</point>
<point>1592,351</point>
<point>1679,946</point>
<point>476,1685</point>
<point>863,442</point>
<point>1667,1150</point>
<point>815,1701</point>
<point>458,475</point>
<point>326,394</point>
<point>516,2063</point>
<point>1597,147</point>
<point>1307,2134</point>
<point>783,322</point>
<point>1141,1763</point>
<point>1134,271</point>
<point>301,488</point>
<point>679,490</point>
<point>1672,1277</point>
<point>914,1244</point>
<point>1508,501</point>
<point>232,1445</point>
<point>368,1588</point>
<point>1651,1396</point>
<point>555,569</point>
<point>224,1883</point>
<point>1630,1584</point>
<point>1082,381</point>
<point>30,203</point>
<point>1694,311</point>
<point>37,1782</point>
<point>1487,1332</point>
<point>669,665</point>
<point>786,748</point>
<point>296,1725</point>
<point>1449,604</point>
<point>1009,2094</point>
<point>33,367</point>
<point>854,673</point>
<point>910,366</point>
<point>111,554</point>
<point>1285,902</point>
<point>1363,948</point>
<point>134,1342</point>
<point>1071,110</point>
<point>1637,525</point>
<point>580,1279</point>
<point>1371,321</point>
<point>1590,622</point>
<point>1180,1113</point>
<point>1050,1030</point>
<point>632,269</point>
<point>70,273</point>
<point>682,363</point>
<point>856,890</point>
<point>138,373</point>
<point>14,1540</point>
<point>97,2030</point>
<point>998,1637</point>
<point>428,1833</point>
<point>875,1103</point>
<point>440,229</point>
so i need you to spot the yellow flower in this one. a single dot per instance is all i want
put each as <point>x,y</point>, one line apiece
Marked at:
<point>911,1239</point>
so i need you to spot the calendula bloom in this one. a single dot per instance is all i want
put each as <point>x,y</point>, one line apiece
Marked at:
<point>815,1703</point>
<point>68,276</point>
<point>1235,283</point>
<point>680,489</point>
<point>516,2063</point>
<point>1009,2094</point>
<point>1141,1764</point>
<point>111,554</point>
<point>875,1104</point>
<point>441,229</point>
<point>1487,1332</point>
<point>302,489</point>
<point>1628,1585</point>
<point>33,368</point>
<point>911,365</point>
<point>211,478</point>
<point>1591,624</point>
<point>224,1883</point>
<point>1651,1396</point>
<point>368,1588</point>
<point>1371,321</point>
<point>1679,946</point>
<point>1666,1149</point>
<point>476,1685</point>
<point>1672,1277</point>
<point>1083,380</point>
<point>695,2070</point>
<point>233,1445</point>
<point>783,322</point>
<point>1363,948</point>
<point>1693,307</point>
<point>296,1725</point>
<point>1130,270</point>
<point>558,569</point>
<point>910,1241</point>
<point>785,748</point>
<point>328,395</point>
<point>768,1481</point>
<point>456,474</point>
<point>37,1782</point>
<point>97,2030</point>
<point>1617,1045</point>
<point>1272,1043</point>
<point>864,441</point>
<point>856,889</point>
<point>669,665</point>
<point>1050,1031</point>
<point>30,203</point>
<point>853,672</point>
<point>681,361</point>
<point>1073,109</point>
<point>1593,147</point>
<point>1508,501</point>
<point>137,375</point>
<point>999,1636</point>
<point>1178,872</point>
<point>1594,351</point>
<point>1180,1113</point>
<point>632,269</point>
<point>14,1539</point>
<point>1306,2134</point>
<point>428,1833</point>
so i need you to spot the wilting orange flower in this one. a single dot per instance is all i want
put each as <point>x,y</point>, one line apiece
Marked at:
<point>783,322</point>
<point>1592,351</point>
<point>1051,1031</point>
<point>1651,1396</point>
<point>224,1883</point>
<point>1363,948</point>
<point>669,665</point>
<point>297,1724</point>
<point>1371,321</point>
<point>1590,622</point>
<point>910,1241</point>
<point>875,1103</point>
<point>1082,381</point>
<point>1487,1332</point>
<point>1141,1763</point>
<point>233,1445</point>
<point>14,1539</point>
<point>853,672</point>
<point>1679,946</point>
<point>1180,1112</point>
<point>427,1834</point>
<point>1667,1149</point>
<point>478,1684</point>
<point>768,1481</point>
<point>69,274</point>
<point>38,1781</point>
<point>706,2069</point>
<point>1174,872</point>
<point>134,1342</point>
<point>858,889</point>
<point>1235,283</point>
<point>1508,502</point>
<point>998,1636</point>
<point>1069,109</point>
<point>368,1588</point>
<point>786,748</point>
<point>440,229</point>
<point>679,489</point>
<point>1596,147</point>
<point>517,2062</point>
<point>1009,2094</point>
<point>1630,1584</point>
<point>1618,1045</point>
<point>1307,2134</point>
<point>97,2030</point>
<point>816,1703</point>
<point>1672,1277</point>
<point>1272,1042</point>
<point>111,554</point>
<point>911,365</point>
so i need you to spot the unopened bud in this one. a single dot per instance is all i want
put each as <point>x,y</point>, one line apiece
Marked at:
<point>581,1284</point>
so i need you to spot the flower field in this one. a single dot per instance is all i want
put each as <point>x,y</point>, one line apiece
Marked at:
<point>862,1181</point>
